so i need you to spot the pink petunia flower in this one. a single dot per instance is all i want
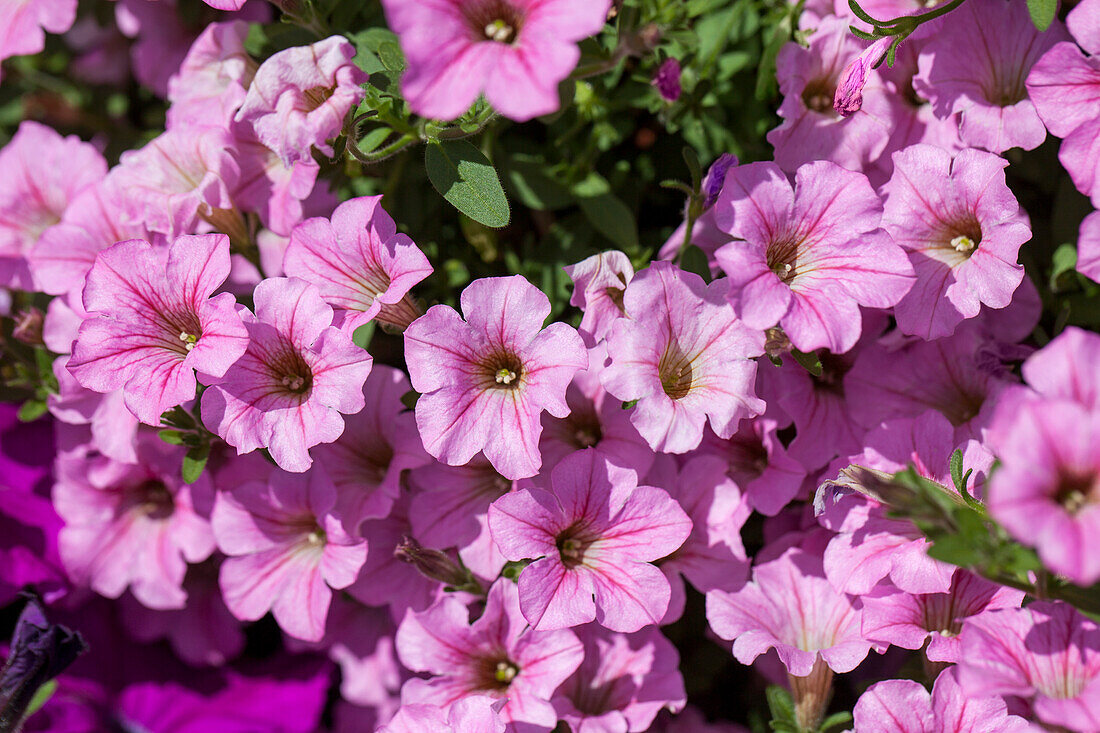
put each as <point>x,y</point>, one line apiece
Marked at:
<point>791,607</point>
<point>497,655</point>
<point>593,538</point>
<point>514,51</point>
<point>812,253</point>
<point>684,357</point>
<point>759,464</point>
<point>277,192</point>
<point>977,65</point>
<point>211,84</point>
<point>485,381</point>
<point>133,525</point>
<point>1088,247</point>
<point>962,229</point>
<point>623,682</point>
<point>848,98</point>
<point>154,322</point>
<point>357,260</point>
<point>809,78</point>
<point>24,23</point>
<point>909,620</point>
<point>1047,653</point>
<point>299,97</point>
<point>904,706</point>
<point>473,714</point>
<point>288,390</point>
<point>289,547</point>
<point>449,502</point>
<point>599,283</point>
<point>44,172</point>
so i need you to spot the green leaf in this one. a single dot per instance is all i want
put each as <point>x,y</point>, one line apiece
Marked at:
<point>766,85</point>
<point>781,705</point>
<point>695,260</point>
<point>465,177</point>
<point>362,335</point>
<point>409,399</point>
<point>836,720</point>
<point>957,470</point>
<point>513,568</point>
<point>810,362</point>
<point>194,461</point>
<point>612,218</point>
<point>389,53</point>
<point>1042,12</point>
<point>41,697</point>
<point>628,405</point>
<point>31,410</point>
<point>1064,262</point>
<point>171,437</point>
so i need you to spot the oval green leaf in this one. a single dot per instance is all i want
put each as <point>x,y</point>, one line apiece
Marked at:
<point>465,177</point>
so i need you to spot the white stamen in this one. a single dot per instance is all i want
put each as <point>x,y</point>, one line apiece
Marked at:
<point>963,243</point>
<point>505,376</point>
<point>293,382</point>
<point>188,340</point>
<point>499,31</point>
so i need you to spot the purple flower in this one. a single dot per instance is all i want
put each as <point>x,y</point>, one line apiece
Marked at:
<point>812,253</point>
<point>289,547</point>
<point>593,538</point>
<point>357,260</point>
<point>1047,653</point>
<point>497,655</point>
<point>485,381</point>
<point>667,80</point>
<point>962,229</point>
<point>684,357</point>
<point>154,321</point>
<point>514,51</point>
<point>298,375</point>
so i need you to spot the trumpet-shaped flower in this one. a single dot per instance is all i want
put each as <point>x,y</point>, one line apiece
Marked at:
<point>43,173</point>
<point>299,97</point>
<point>473,714</point>
<point>812,253</point>
<point>498,655</point>
<point>357,260</point>
<point>153,322</point>
<point>1047,653</point>
<point>514,51</point>
<point>962,229</point>
<point>289,546</point>
<point>684,357</point>
<point>599,283</point>
<point>485,381</point>
<point>211,84</point>
<point>288,390</point>
<point>594,538</point>
<point>25,22</point>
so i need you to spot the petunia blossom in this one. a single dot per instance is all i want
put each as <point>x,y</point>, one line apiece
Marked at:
<point>43,173</point>
<point>497,655</point>
<point>594,538</point>
<point>484,381</point>
<point>473,714</point>
<point>289,547</point>
<point>154,321</point>
<point>599,283</point>
<point>211,84</point>
<point>288,390</point>
<point>26,21</point>
<point>759,464</point>
<point>299,97</point>
<point>357,259</point>
<point>514,51</point>
<point>1046,653</point>
<point>962,229</point>
<point>812,253</point>
<point>904,706</point>
<point>848,98</point>
<point>684,357</point>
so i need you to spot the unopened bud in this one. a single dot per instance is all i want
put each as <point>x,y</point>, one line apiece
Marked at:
<point>776,342</point>
<point>667,80</point>
<point>432,563</point>
<point>28,326</point>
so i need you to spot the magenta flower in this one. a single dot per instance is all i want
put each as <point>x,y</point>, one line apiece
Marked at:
<point>514,51</point>
<point>1063,368</point>
<point>287,391</point>
<point>133,525</point>
<point>178,179</point>
<point>24,23</point>
<point>977,64</point>
<point>599,283</point>
<point>904,706</point>
<point>498,655</point>
<point>623,682</point>
<point>1047,653</point>
<point>684,357</point>
<point>289,546</point>
<point>789,606</point>
<point>848,98</point>
<point>300,96</point>
<point>759,464</point>
<point>667,80</point>
<point>483,382</point>
<point>449,503</point>
<point>357,260</point>
<point>378,444</point>
<point>593,539</point>
<point>473,714</point>
<point>809,79</point>
<point>1047,491</point>
<point>211,84</point>
<point>962,228</point>
<point>909,620</point>
<point>154,323</point>
<point>813,253</point>
<point>44,172</point>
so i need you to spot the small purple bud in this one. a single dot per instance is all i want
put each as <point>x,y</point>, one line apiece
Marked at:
<point>849,90</point>
<point>432,563</point>
<point>667,80</point>
<point>716,177</point>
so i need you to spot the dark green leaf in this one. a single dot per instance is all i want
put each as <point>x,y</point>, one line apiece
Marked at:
<point>810,362</point>
<point>957,470</point>
<point>362,335</point>
<point>171,437</point>
<point>1063,264</point>
<point>1042,12</point>
<point>695,260</point>
<point>194,461</point>
<point>409,399</point>
<point>465,177</point>
<point>31,410</point>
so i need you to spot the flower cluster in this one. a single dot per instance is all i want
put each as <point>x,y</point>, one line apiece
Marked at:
<point>843,428</point>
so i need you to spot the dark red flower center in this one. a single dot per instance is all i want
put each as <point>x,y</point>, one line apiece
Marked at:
<point>676,371</point>
<point>493,20</point>
<point>152,498</point>
<point>494,672</point>
<point>501,370</point>
<point>1077,490</point>
<point>818,95</point>
<point>572,543</point>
